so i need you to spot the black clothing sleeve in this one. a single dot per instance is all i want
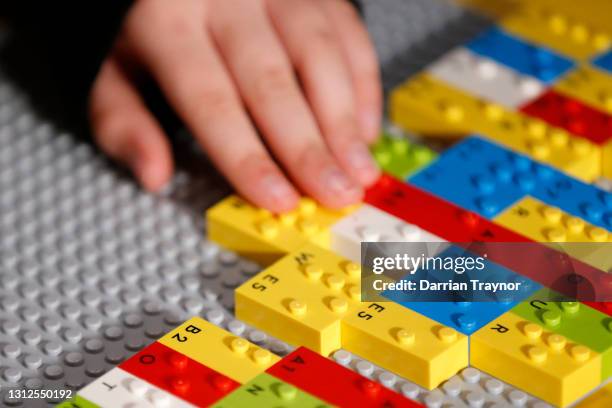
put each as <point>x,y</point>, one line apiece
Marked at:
<point>67,39</point>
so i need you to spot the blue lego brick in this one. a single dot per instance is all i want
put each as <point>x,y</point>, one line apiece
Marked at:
<point>470,311</point>
<point>586,201</point>
<point>482,176</point>
<point>604,61</point>
<point>520,55</point>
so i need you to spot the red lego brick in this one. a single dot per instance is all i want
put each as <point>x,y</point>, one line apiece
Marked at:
<point>572,115</point>
<point>334,383</point>
<point>435,215</point>
<point>566,275</point>
<point>179,375</point>
<point>604,307</point>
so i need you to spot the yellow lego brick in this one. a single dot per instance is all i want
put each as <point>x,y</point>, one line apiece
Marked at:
<point>602,398</point>
<point>405,343</point>
<point>542,363</point>
<point>215,348</point>
<point>561,32</point>
<point>542,223</point>
<point>264,237</point>
<point>588,84</point>
<point>431,107</point>
<point>607,160</point>
<point>584,15</point>
<point>302,298</point>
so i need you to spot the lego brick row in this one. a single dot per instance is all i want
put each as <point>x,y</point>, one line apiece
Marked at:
<point>429,106</point>
<point>312,298</point>
<point>486,178</point>
<point>245,376</point>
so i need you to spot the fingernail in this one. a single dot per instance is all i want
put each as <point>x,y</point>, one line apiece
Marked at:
<point>370,122</point>
<point>338,183</point>
<point>280,193</point>
<point>360,159</point>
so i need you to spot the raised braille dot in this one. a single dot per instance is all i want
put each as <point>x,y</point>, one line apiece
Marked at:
<point>551,318</point>
<point>368,234</point>
<point>261,356</point>
<point>286,392</point>
<point>552,214</point>
<point>352,270</point>
<point>570,307</point>
<point>447,335</point>
<point>575,225</point>
<point>556,235</point>
<point>453,113</point>
<point>239,345</point>
<point>405,337</point>
<point>338,305</point>
<point>537,354</point>
<point>556,342</point>
<point>137,387</point>
<point>532,330</point>
<point>580,353</point>
<point>335,282</point>
<point>159,399</point>
<point>297,307</point>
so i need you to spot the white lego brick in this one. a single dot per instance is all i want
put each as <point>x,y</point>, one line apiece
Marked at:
<point>119,389</point>
<point>369,224</point>
<point>486,78</point>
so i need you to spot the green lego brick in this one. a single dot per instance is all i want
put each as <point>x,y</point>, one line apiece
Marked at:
<point>399,157</point>
<point>573,320</point>
<point>77,402</point>
<point>268,391</point>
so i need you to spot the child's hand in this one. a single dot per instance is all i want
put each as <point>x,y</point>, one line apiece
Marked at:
<point>302,71</point>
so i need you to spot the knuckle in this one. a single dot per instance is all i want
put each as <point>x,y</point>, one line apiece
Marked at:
<point>346,9</point>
